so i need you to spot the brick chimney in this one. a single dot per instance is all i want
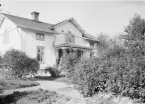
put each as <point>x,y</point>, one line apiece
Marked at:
<point>35,16</point>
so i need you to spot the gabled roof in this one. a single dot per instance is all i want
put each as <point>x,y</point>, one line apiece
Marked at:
<point>46,27</point>
<point>1,19</point>
<point>75,23</point>
<point>29,23</point>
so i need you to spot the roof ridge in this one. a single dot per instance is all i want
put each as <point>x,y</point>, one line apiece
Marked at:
<point>28,23</point>
<point>26,18</point>
<point>61,22</point>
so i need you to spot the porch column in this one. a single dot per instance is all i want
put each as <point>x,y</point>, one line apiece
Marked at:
<point>57,55</point>
<point>81,54</point>
<point>64,52</point>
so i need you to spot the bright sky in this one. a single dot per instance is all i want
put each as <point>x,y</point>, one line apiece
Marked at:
<point>95,17</point>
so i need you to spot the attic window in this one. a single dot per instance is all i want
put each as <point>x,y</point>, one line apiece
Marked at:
<point>40,36</point>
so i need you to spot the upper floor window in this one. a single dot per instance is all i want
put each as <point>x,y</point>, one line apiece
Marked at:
<point>69,37</point>
<point>92,44</point>
<point>40,36</point>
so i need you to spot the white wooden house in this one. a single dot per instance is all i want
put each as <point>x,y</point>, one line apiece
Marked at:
<point>44,41</point>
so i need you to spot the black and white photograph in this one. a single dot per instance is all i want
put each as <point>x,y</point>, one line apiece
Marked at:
<point>72,52</point>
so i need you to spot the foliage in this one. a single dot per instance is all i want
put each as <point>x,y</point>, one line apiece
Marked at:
<point>87,77</point>
<point>121,70</point>
<point>134,36</point>
<point>19,64</point>
<point>1,62</point>
<point>135,48</point>
<point>104,44</point>
<point>14,84</point>
<point>68,64</point>
<point>54,72</point>
<point>35,97</point>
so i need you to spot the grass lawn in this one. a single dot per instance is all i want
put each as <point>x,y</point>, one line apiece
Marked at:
<point>13,84</point>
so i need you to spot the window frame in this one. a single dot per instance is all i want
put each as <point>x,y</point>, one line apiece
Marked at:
<point>39,38</point>
<point>92,44</point>
<point>41,53</point>
<point>69,38</point>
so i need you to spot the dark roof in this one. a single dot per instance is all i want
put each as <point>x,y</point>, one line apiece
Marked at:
<point>71,45</point>
<point>74,22</point>
<point>29,23</point>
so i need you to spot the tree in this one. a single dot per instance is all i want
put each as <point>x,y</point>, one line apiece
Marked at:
<point>104,44</point>
<point>134,38</point>
<point>19,64</point>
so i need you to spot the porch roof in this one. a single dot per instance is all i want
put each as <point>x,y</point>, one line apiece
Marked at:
<point>71,45</point>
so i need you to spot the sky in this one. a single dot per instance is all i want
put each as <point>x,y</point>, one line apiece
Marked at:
<point>108,17</point>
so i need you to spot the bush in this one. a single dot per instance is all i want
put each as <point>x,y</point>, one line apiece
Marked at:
<point>117,72</point>
<point>19,64</point>
<point>90,76</point>
<point>54,72</point>
<point>68,64</point>
<point>127,75</point>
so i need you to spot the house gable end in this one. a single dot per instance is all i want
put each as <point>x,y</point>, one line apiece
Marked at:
<point>68,27</point>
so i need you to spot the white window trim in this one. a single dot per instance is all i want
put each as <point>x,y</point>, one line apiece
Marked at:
<point>41,62</point>
<point>40,38</point>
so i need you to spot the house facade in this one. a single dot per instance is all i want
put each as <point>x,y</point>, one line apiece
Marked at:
<point>46,42</point>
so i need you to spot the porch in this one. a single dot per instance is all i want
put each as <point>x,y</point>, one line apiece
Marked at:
<point>64,49</point>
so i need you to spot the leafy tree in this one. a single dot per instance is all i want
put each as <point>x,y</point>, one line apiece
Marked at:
<point>19,64</point>
<point>134,38</point>
<point>103,45</point>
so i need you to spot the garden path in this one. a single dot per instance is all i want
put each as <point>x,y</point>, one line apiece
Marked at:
<point>59,87</point>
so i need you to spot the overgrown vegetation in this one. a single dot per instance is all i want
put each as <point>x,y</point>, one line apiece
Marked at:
<point>120,70</point>
<point>14,84</point>
<point>35,97</point>
<point>19,64</point>
<point>68,64</point>
<point>1,62</point>
<point>54,72</point>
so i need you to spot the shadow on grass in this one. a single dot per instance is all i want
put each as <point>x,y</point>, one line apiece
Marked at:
<point>12,98</point>
<point>48,78</point>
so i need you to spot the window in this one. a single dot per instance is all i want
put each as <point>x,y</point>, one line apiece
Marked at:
<point>40,36</point>
<point>92,44</point>
<point>70,37</point>
<point>40,54</point>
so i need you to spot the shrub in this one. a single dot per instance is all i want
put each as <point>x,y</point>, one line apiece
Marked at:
<point>68,64</point>
<point>126,72</point>
<point>90,76</point>
<point>19,64</point>
<point>54,72</point>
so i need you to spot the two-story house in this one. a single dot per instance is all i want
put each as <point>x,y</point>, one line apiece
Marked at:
<point>44,41</point>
